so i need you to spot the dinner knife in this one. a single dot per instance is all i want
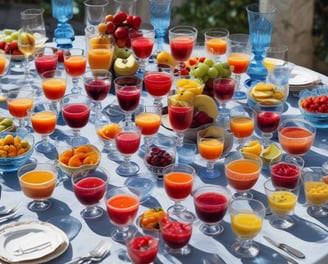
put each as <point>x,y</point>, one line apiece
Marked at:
<point>290,250</point>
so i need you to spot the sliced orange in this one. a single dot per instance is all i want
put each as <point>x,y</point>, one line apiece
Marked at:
<point>65,156</point>
<point>253,147</point>
<point>75,161</point>
<point>111,130</point>
<point>83,149</point>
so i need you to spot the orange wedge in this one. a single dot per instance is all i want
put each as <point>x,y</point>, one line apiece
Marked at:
<point>253,147</point>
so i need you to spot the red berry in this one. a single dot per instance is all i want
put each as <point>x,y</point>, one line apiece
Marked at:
<point>129,20</point>
<point>13,45</point>
<point>119,18</point>
<point>136,22</point>
<point>110,27</point>
<point>121,32</point>
<point>2,44</point>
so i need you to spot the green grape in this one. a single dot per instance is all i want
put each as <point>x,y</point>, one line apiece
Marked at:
<point>209,62</point>
<point>198,73</point>
<point>203,67</point>
<point>212,72</point>
<point>219,68</point>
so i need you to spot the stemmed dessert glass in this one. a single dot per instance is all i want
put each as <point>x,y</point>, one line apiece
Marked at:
<point>20,101</point>
<point>242,123</point>
<point>246,222</point>
<point>211,203</point>
<point>43,120</point>
<point>223,89</point>
<point>178,182</point>
<point>182,41</point>
<point>142,43</point>
<point>89,187</point>
<point>127,143</point>
<point>180,111</point>
<point>216,42</point>
<point>242,170</point>
<point>296,136</point>
<point>128,92</point>
<point>239,56</point>
<point>76,112</point>
<point>75,64</point>
<point>97,84</point>
<point>210,148</point>
<point>4,65</point>
<point>45,60</point>
<point>267,120</point>
<point>122,205</point>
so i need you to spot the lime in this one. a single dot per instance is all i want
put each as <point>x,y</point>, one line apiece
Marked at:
<point>271,153</point>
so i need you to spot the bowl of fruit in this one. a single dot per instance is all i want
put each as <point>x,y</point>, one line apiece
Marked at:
<point>15,150</point>
<point>313,104</point>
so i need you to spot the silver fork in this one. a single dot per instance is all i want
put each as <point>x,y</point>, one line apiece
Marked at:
<point>8,217</point>
<point>10,210</point>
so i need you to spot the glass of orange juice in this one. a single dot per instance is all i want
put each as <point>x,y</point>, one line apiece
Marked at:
<point>216,42</point>
<point>43,120</point>
<point>210,147</point>
<point>38,181</point>
<point>75,64</point>
<point>122,205</point>
<point>246,216</point>
<point>242,123</point>
<point>20,101</point>
<point>242,170</point>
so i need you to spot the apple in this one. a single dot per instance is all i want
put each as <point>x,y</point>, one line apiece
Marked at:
<point>122,53</point>
<point>128,66</point>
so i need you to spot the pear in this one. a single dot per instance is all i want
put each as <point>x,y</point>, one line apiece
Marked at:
<point>128,66</point>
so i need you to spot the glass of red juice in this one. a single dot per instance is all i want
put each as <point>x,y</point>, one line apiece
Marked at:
<point>89,188</point>
<point>45,60</point>
<point>176,234</point>
<point>97,84</point>
<point>267,119</point>
<point>128,92</point>
<point>143,248</point>
<point>127,143</point>
<point>76,112</point>
<point>211,203</point>
<point>287,172</point>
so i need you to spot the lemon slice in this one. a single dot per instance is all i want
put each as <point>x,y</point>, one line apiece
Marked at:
<point>253,147</point>
<point>271,153</point>
<point>207,104</point>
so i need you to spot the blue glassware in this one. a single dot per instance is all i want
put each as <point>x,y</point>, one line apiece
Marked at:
<point>160,15</point>
<point>62,10</point>
<point>260,19</point>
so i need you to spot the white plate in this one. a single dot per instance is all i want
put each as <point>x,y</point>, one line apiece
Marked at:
<point>26,235</point>
<point>301,78</point>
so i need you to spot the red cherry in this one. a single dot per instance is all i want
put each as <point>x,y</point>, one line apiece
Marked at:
<point>136,22</point>
<point>119,18</point>
<point>121,32</point>
<point>110,27</point>
<point>129,20</point>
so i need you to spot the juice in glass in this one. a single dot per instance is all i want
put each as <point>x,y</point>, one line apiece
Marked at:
<point>282,202</point>
<point>158,84</point>
<point>89,191</point>
<point>19,107</point>
<point>246,225</point>
<point>100,58</point>
<point>127,143</point>
<point>180,117</point>
<point>122,209</point>
<point>316,192</point>
<point>181,47</point>
<point>210,149</point>
<point>97,90</point>
<point>285,175</point>
<point>142,249</point>
<point>44,122</point>
<point>142,47</point>
<point>242,127</point>
<point>148,122</point>
<point>54,88</point>
<point>45,63</point>
<point>295,140</point>
<point>75,65</point>
<point>128,98</point>
<point>239,61</point>
<point>76,115</point>
<point>178,185</point>
<point>267,121</point>
<point>216,46</point>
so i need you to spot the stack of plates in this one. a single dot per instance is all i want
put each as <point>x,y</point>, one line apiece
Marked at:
<point>302,78</point>
<point>31,242</point>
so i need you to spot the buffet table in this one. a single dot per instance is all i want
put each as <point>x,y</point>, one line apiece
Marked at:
<point>309,235</point>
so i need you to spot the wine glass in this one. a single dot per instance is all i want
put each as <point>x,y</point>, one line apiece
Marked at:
<point>43,120</point>
<point>38,181</point>
<point>54,86</point>
<point>242,170</point>
<point>158,81</point>
<point>216,42</point>
<point>178,182</point>
<point>182,41</point>
<point>242,123</point>
<point>89,187</point>
<point>267,120</point>
<point>296,136</point>
<point>127,143</point>
<point>210,147</point>
<point>246,222</point>
<point>45,59</point>
<point>20,101</point>
<point>160,16</point>
<point>180,111</point>
<point>149,122</point>
<point>76,112</point>
<point>211,203</point>
<point>4,65</point>
<point>316,191</point>
<point>97,84</point>
<point>128,92</point>
<point>282,202</point>
<point>239,56</point>
<point>122,205</point>
<point>75,64</point>
<point>142,43</point>
<point>223,89</point>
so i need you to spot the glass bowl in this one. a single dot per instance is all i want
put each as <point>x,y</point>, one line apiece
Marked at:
<point>144,183</point>
<point>311,111</point>
<point>8,164</point>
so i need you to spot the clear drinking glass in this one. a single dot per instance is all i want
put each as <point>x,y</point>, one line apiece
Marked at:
<point>127,6</point>
<point>216,42</point>
<point>95,12</point>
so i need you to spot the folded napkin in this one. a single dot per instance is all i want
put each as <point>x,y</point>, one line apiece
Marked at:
<point>31,243</point>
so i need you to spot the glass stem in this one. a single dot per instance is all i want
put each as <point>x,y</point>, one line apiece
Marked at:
<point>210,166</point>
<point>76,89</point>
<point>238,79</point>
<point>26,67</point>
<point>180,137</point>
<point>245,244</point>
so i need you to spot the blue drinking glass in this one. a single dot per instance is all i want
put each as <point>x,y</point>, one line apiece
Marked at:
<point>62,10</point>
<point>160,15</point>
<point>260,19</point>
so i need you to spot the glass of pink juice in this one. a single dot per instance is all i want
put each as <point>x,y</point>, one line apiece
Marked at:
<point>45,60</point>
<point>89,188</point>
<point>97,84</point>
<point>127,143</point>
<point>182,40</point>
<point>43,120</point>
<point>142,43</point>
<point>122,205</point>
<point>211,203</point>
<point>128,92</point>
<point>76,112</point>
